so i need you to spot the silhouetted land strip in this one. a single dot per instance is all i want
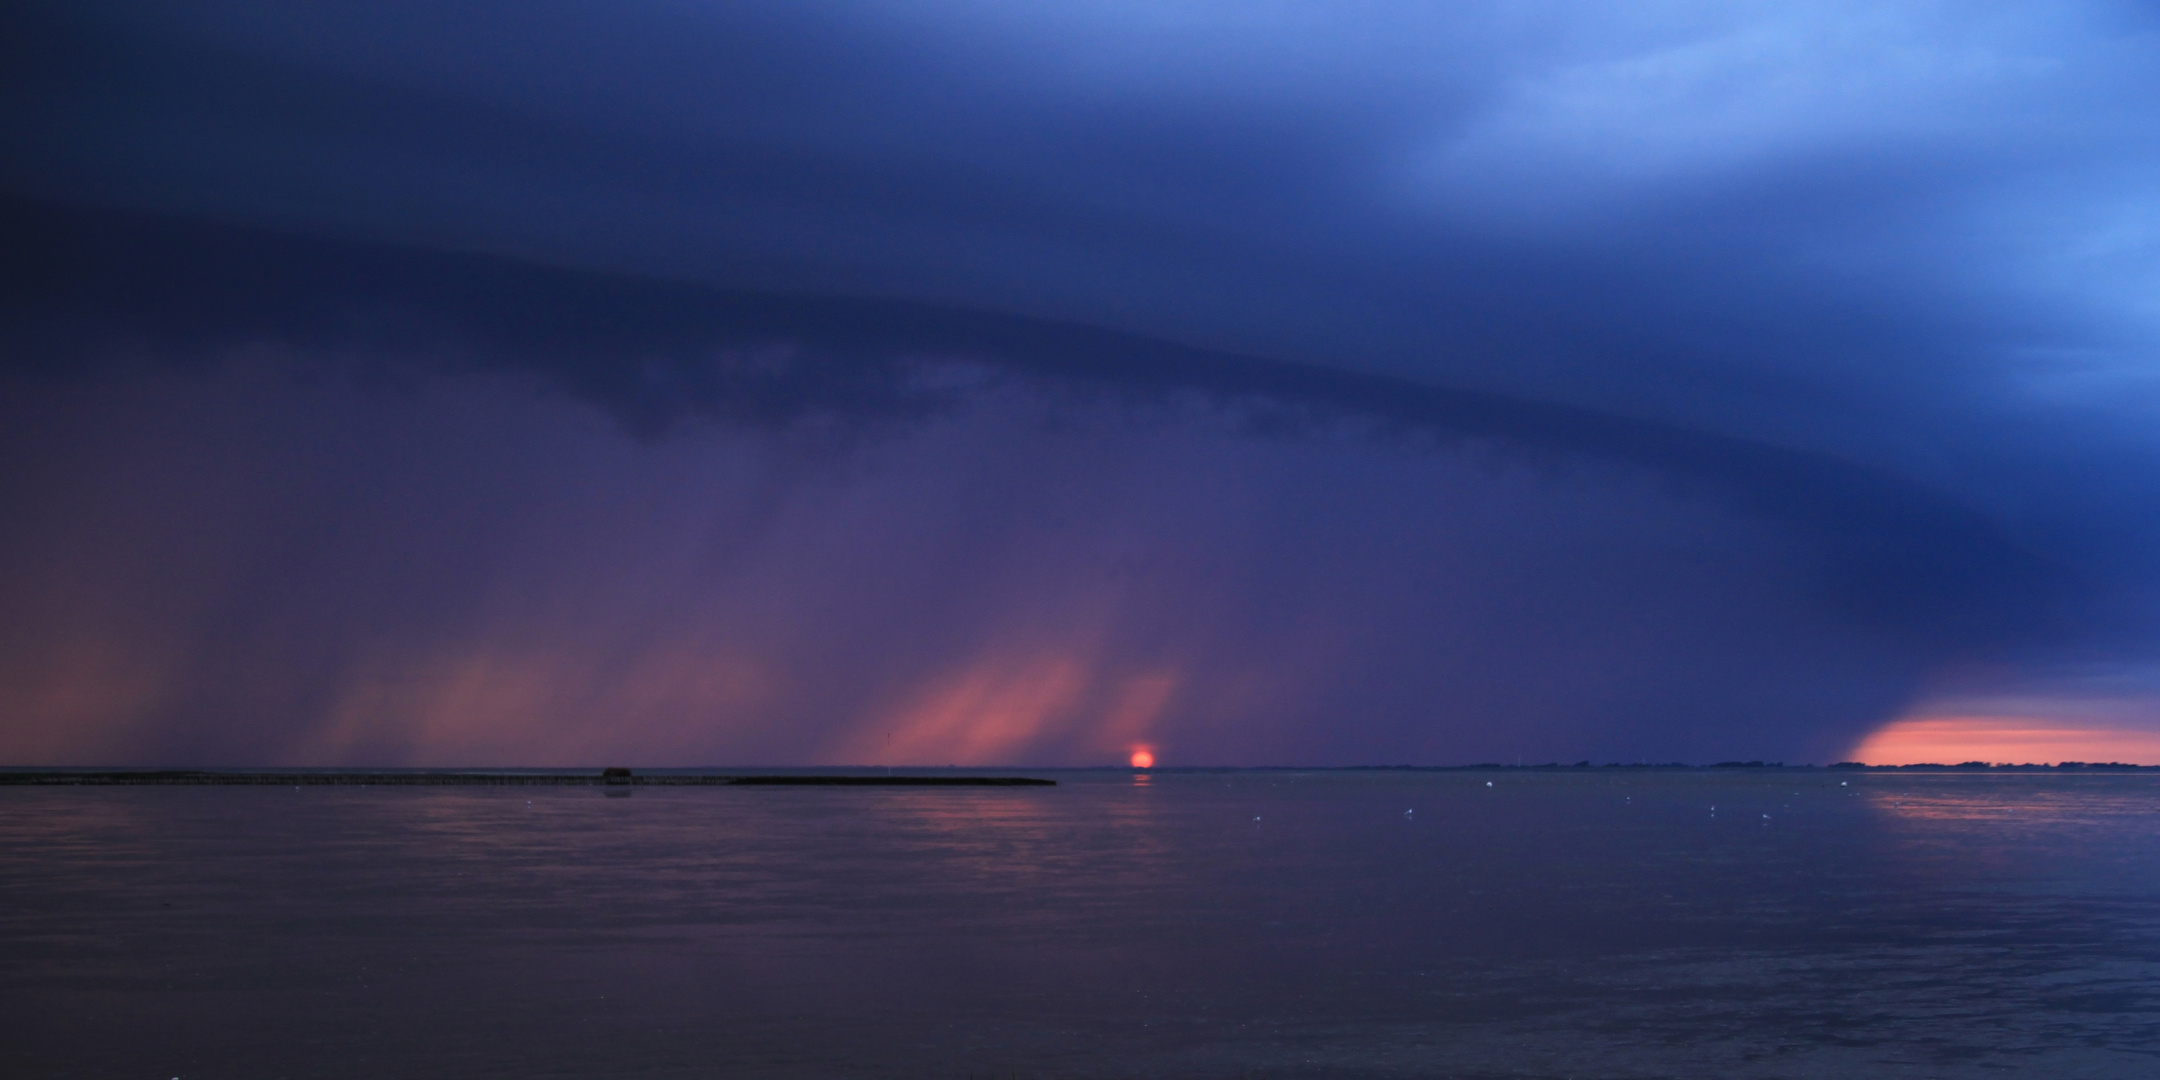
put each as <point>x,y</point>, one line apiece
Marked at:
<point>610,777</point>
<point>887,781</point>
<point>620,777</point>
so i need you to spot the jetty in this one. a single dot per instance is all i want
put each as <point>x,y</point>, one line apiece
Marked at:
<point>610,777</point>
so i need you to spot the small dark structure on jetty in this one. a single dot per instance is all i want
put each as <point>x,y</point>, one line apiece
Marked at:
<point>610,777</point>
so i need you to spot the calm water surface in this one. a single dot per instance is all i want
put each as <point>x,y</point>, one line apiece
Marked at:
<point>1604,923</point>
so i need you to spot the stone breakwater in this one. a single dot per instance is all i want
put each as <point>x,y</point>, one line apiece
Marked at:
<point>610,777</point>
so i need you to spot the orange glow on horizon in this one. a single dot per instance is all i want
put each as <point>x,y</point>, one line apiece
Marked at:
<point>987,713</point>
<point>1142,758</point>
<point>2013,740</point>
<point>1008,707</point>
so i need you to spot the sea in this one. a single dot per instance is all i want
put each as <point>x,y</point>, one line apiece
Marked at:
<point>1371,923</point>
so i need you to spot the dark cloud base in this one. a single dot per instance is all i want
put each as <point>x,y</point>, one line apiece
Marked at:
<point>86,289</point>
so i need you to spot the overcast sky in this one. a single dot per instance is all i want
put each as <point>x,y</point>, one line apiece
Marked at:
<point>678,384</point>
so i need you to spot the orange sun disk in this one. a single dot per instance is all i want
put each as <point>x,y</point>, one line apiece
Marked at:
<point>1141,759</point>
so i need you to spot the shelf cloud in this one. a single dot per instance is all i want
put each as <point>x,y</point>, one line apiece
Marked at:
<point>788,382</point>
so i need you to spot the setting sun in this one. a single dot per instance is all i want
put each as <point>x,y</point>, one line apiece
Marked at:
<point>1142,759</point>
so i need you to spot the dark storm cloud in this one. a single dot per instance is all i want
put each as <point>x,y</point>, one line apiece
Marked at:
<point>654,354</point>
<point>1874,272</point>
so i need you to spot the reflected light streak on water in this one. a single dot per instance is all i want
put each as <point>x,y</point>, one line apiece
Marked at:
<point>1819,923</point>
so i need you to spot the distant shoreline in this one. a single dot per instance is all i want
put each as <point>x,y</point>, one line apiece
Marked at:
<point>155,777</point>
